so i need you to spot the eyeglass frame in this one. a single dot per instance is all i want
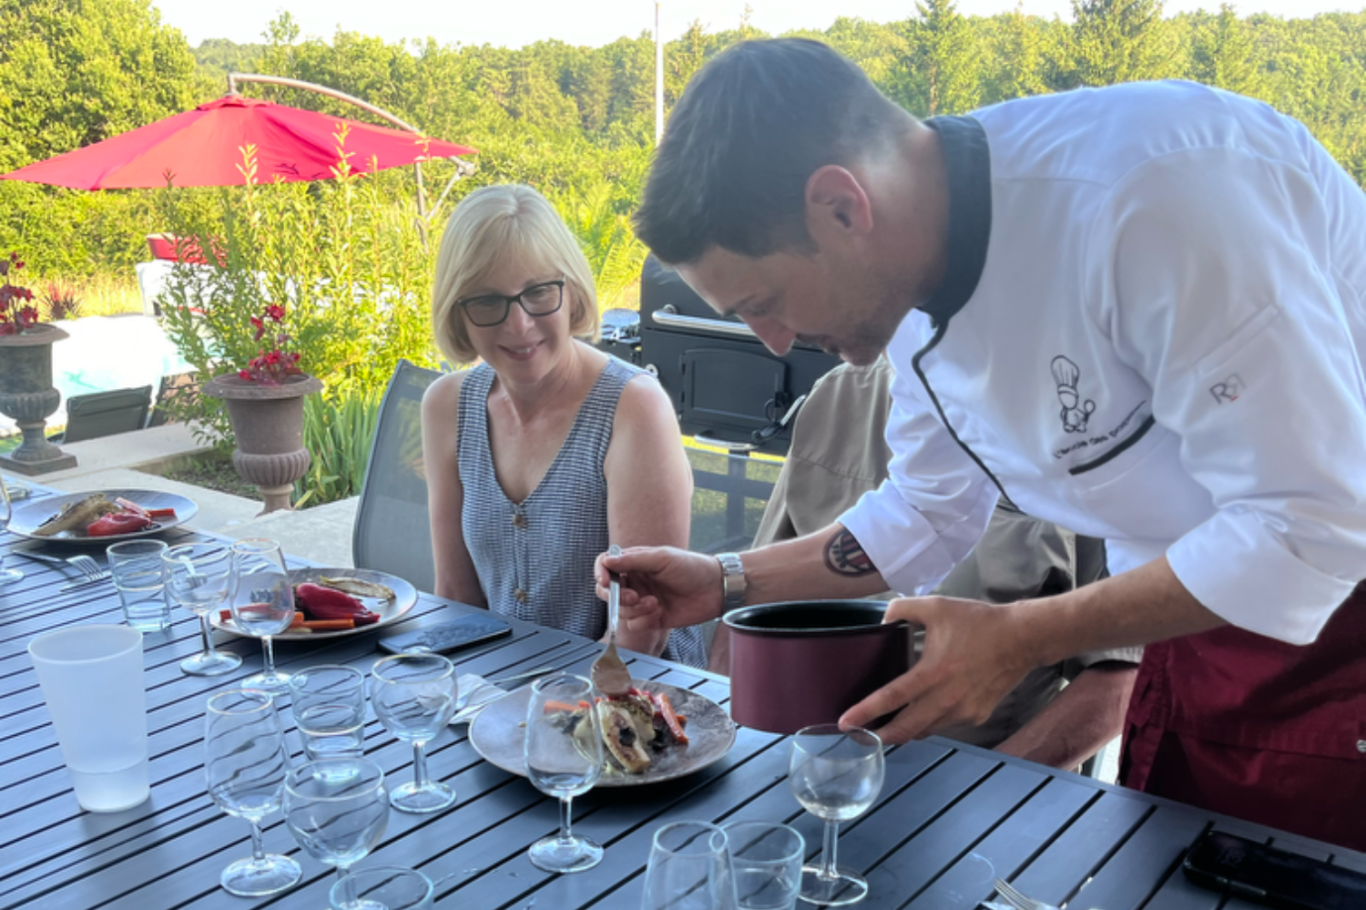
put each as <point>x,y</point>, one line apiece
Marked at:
<point>509,300</point>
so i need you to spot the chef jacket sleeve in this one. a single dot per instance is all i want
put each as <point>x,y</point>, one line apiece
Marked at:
<point>935,504</point>
<point>1215,275</point>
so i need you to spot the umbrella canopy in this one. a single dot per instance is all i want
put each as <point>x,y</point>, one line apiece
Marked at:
<point>204,147</point>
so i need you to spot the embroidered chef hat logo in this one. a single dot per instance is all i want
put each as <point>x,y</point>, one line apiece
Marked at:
<point>1228,390</point>
<point>1075,412</point>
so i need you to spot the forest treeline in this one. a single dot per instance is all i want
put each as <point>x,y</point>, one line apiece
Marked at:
<point>578,121</point>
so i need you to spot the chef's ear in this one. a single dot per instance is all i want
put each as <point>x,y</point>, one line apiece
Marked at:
<point>836,204</point>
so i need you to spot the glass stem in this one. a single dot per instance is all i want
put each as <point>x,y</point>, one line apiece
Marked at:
<point>206,635</point>
<point>829,869</point>
<point>258,852</point>
<point>419,766</point>
<point>268,649</point>
<point>566,807</point>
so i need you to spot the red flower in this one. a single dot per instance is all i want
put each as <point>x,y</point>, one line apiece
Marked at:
<point>14,319</point>
<point>271,367</point>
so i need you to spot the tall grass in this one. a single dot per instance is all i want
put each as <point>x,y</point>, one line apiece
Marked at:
<point>338,431</point>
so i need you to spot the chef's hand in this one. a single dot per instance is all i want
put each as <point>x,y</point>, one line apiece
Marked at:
<point>663,587</point>
<point>971,660</point>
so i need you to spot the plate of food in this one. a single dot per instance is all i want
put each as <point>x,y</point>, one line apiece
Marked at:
<point>640,744</point>
<point>101,517</point>
<point>330,603</point>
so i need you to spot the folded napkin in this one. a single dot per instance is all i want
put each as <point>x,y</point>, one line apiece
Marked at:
<point>475,692</point>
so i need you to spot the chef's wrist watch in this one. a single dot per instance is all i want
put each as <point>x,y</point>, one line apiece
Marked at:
<point>733,583</point>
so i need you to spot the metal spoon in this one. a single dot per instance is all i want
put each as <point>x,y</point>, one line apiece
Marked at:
<point>609,673</point>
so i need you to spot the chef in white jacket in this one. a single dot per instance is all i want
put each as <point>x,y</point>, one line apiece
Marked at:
<point>1136,312</point>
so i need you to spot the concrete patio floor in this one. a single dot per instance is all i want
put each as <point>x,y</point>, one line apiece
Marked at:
<point>129,460</point>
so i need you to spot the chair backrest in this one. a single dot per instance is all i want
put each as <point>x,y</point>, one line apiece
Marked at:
<point>106,413</point>
<point>730,492</point>
<point>392,533</point>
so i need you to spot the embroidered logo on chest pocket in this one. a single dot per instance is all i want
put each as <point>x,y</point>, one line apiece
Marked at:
<point>1075,413</point>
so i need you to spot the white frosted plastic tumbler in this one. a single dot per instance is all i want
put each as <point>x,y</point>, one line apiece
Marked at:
<point>91,679</point>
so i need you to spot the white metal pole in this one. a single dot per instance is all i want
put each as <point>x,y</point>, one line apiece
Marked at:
<point>659,78</point>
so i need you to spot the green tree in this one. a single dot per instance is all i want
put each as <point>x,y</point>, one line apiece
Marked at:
<point>1113,41</point>
<point>1224,54</point>
<point>943,69</point>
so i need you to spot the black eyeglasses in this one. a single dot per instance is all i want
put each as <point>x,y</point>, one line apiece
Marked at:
<point>491,309</point>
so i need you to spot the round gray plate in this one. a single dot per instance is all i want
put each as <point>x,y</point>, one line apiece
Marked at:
<point>499,735</point>
<point>28,516</point>
<point>390,611</point>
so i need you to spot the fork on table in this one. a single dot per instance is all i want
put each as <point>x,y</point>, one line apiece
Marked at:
<point>82,563</point>
<point>1018,900</point>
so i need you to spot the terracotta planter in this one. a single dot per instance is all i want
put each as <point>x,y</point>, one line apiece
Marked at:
<point>268,421</point>
<point>28,397</point>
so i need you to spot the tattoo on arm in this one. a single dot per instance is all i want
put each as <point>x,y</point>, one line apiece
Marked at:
<point>844,556</point>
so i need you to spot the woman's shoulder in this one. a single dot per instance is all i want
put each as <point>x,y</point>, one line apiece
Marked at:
<point>443,395</point>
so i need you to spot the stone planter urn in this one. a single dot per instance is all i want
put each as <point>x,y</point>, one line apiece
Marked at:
<point>27,396</point>
<point>268,421</point>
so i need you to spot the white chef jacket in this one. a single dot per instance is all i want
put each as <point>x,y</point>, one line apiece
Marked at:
<point>1150,332</point>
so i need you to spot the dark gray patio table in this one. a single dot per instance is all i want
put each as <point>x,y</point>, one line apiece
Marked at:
<point>945,808</point>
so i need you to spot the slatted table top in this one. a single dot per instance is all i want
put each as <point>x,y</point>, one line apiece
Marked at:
<point>949,816</point>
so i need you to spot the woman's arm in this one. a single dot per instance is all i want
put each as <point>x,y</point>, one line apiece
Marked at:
<point>649,484</point>
<point>455,575</point>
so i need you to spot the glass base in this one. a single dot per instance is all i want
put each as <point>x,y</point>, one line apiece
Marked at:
<point>433,797</point>
<point>256,878</point>
<point>9,576</point>
<point>846,887</point>
<point>206,664</point>
<point>570,854</point>
<point>271,682</point>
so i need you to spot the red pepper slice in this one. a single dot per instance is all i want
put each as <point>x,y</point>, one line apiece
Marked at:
<point>161,513</point>
<point>666,711</point>
<point>129,506</point>
<point>117,523</point>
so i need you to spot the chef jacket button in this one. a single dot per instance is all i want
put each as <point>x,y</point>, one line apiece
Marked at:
<point>520,595</point>
<point>1361,745</point>
<point>518,520</point>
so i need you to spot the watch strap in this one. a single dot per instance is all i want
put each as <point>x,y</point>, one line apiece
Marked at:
<point>733,582</point>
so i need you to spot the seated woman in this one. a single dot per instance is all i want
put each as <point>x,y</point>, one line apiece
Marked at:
<point>548,450</point>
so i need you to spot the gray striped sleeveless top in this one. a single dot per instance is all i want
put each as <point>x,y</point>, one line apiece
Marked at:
<point>535,558</point>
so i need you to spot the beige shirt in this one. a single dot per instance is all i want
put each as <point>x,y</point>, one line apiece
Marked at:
<point>838,453</point>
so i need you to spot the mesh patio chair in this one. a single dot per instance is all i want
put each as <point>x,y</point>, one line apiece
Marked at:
<point>392,533</point>
<point>105,413</point>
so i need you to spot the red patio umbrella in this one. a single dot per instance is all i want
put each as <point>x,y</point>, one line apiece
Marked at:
<point>204,147</point>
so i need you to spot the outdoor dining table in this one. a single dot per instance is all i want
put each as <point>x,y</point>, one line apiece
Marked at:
<point>950,817</point>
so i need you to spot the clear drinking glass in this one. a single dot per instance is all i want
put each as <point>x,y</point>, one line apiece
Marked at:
<point>199,578</point>
<point>836,775</point>
<point>262,603</point>
<point>6,575</point>
<point>383,888</point>
<point>245,766</point>
<point>689,869</point>
<point>414,696</point>
<point>337,814</point>
<point>766,860</point>
<point>328,702</point>
<point>140,578</point>
<point>563,759</point>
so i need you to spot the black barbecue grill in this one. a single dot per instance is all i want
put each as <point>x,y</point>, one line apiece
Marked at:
<point>727,388</point>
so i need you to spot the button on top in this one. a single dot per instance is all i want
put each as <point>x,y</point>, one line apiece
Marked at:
<point>518,520</point>
<point>520,595</point>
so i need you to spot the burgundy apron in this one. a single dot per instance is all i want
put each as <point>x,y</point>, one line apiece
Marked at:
<point>1255,728</point>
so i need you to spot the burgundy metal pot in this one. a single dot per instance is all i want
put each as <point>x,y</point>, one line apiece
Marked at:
<point>797,664</point>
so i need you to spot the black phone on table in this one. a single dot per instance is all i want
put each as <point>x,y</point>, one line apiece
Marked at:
<point>1277,878</point>
<point>465,632</point>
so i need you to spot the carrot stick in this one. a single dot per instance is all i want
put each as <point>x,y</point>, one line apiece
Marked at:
<point>560,706</point>
<point>325,625</point>
<point>666,711</point>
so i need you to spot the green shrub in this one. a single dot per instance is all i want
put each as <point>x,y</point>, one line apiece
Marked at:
<point>338,433</point>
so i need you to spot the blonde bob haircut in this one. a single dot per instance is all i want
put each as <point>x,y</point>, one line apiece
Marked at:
<point>491,227</point>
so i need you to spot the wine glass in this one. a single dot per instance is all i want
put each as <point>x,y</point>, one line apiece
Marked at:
<point>563,759</point>
<point>689,869</point>
<point>836,775</point>
<point>414,695</point>
<point>384,887</point>
<point>6,575</point>
<point>245,766</point>
<point>262,603</point>
<point>199,578</point>
<point>337,810</point>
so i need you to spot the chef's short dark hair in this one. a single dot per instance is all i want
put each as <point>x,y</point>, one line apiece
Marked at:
<point>751,127</point>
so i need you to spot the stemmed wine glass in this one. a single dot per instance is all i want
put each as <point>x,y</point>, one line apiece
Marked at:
<point>199,578</point>
<point>689,869</point>
<point>262,603</point>
<point>414,696</point>
<point>337,809</point>
<point>563,759</point>
<point>836,775</point>
<point>6,575</point>
<point>245,766</point>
